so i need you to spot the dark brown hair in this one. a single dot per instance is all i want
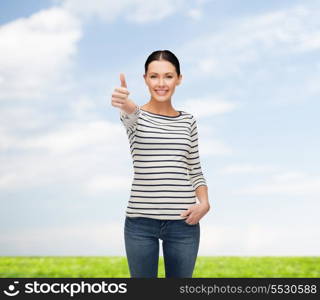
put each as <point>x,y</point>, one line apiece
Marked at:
<point>163,55</point>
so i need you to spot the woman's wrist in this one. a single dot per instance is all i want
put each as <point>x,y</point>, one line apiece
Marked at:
<point>130,108</point>
<point>205,205</point>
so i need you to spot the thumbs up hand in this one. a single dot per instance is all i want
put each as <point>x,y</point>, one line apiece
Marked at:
<point>120,97</point>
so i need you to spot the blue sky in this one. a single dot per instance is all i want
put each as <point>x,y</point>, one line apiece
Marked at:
<point>250,76</point>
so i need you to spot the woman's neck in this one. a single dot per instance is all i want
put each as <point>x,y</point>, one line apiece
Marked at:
<point>159,108</point>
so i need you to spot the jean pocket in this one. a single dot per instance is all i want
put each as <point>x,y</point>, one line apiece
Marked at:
<point>132,222</point>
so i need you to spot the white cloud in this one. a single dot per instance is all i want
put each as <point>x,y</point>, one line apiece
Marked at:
<point>104,183</point>
<point>288,183</point>
<point>194,13</point>
<point>247,168</point>
<point>71,153</point>
<point>252,39</point>
<point>70,137</point>
<point>289,176</point>
<point>312,85</point>
<point>136,11</point>
<point>83,107</point>
<point>150,11</point>
<point>206,106</point>
<point>211,146</point>
<point>36,53</point>
<point>22,117</point>
<point>208,65</point>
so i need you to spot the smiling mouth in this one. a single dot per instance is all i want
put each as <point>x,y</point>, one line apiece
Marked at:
<point>161,92</point>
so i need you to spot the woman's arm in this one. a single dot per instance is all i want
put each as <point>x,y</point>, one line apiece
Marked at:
<point>129,115</point>
<point>193,158</point>
<point>197,179</point>
<point>202,195</point>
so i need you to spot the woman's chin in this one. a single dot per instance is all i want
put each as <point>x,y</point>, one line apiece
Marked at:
<point>161,98</point>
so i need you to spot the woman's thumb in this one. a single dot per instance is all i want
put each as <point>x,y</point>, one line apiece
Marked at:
<point>185,213</point>
<point>123,80</point>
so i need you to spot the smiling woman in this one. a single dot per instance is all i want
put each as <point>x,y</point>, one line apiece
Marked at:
<point>168,177</point>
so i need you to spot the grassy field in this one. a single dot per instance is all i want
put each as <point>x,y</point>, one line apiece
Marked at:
<point>116,266</point>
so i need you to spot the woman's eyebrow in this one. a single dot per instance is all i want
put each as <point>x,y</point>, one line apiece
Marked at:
<point>164,73</point>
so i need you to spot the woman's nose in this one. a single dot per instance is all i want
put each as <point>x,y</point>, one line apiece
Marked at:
<point>161,82</point>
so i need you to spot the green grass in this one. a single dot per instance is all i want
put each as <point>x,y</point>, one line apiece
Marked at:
<point>116,266</point>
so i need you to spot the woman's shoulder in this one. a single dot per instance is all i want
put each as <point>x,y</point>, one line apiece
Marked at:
<point>187,114</point>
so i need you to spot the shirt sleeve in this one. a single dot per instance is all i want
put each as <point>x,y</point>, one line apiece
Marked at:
<point>130,120</point>
<point>194,164</point>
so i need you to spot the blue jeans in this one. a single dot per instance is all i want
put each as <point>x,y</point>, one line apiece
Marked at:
<point>180,243</point>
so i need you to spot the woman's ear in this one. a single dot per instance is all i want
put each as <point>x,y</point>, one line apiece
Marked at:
<point>179,79</point>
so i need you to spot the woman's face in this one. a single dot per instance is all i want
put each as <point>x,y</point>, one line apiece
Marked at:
<point>162,79</point>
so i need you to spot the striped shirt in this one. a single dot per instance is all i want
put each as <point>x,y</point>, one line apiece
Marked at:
<point>166,164</point>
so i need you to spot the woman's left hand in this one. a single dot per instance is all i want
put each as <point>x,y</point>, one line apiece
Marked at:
<point>195,213</point>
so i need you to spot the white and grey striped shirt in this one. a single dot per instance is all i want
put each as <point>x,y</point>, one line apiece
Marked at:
<point>166,164</point>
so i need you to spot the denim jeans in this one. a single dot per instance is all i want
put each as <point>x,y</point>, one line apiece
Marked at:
<point>180,243</point>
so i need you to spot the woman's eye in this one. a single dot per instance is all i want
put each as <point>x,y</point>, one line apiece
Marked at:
<point>167,76</point>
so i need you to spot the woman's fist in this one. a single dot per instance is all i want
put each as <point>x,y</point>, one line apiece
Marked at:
<point>120,97</point>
